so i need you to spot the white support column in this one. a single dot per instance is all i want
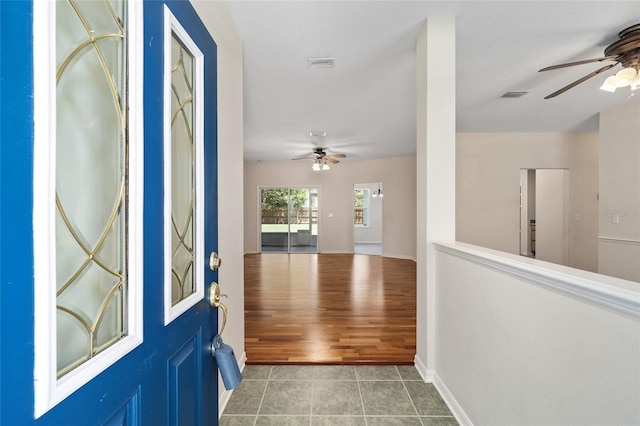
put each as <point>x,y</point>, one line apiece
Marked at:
<point>436,160</point>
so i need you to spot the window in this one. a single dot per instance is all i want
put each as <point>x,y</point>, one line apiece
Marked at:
<point>289,219</point>
<point>361,207</point>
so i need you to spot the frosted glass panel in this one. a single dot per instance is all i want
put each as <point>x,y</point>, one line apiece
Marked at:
<point>182,173</point>
<point>91,179</point>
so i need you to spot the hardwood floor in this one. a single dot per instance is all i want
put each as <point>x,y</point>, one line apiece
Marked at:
<point>329,309</point>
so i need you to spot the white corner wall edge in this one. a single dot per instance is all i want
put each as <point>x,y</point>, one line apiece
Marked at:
<point>620,295</point>
<point>430,376</point>
<point>225,395</point>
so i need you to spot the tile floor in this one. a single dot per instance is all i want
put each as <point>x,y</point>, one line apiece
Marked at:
<point>290,395</point>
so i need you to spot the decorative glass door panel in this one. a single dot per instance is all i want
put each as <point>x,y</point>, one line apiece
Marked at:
<point>91,179</point>
<point>183,175</point>
<point>182,172</point>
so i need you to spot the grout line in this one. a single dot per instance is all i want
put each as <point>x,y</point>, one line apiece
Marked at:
<point>410,398</point>
<point>313,385</point>
<point>364,412</point>
<point>255,422</point>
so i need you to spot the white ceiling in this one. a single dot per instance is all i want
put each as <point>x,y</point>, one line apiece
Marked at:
<point>366,104</point>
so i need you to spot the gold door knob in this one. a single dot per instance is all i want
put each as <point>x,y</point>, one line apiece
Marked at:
<point>214,301</point>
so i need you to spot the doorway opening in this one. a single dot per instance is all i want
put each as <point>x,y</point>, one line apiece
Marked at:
<point>544,214</point>
<point>367,218</point>
<point>289,220</point>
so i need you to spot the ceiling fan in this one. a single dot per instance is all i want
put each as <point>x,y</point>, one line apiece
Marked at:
<point>625,51</point>
<point>320,158</point>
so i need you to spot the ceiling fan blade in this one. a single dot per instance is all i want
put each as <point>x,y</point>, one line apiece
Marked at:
<point>586,61</point>
<point>336,156</point>
<point>581,80</point>
<point>305,157</point>
<point>331,160</point>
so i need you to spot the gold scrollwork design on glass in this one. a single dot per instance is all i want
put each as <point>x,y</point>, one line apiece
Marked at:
<point>183,282</point>
<point>91,179</point>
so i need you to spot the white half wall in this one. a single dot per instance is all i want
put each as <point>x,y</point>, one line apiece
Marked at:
<point>525,342</point>
<point>335,199</point>
<point>488,195</point>
<point>218,21</point>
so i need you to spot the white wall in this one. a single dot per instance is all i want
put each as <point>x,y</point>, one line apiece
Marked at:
<point>487,188</point>
<point>373,232</point>
<point>510,350</point>
<point>335,196</point>
<point>217,19</point>
<point>619,230</point>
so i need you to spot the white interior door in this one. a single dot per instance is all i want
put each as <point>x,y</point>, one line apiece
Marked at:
<point>552,215</point>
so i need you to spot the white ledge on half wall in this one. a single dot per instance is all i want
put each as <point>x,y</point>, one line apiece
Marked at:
<point>614,293</point>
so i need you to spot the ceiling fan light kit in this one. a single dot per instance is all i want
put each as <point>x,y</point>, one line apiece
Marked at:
<point>625,51</point>
<point>319,165</point>
<point>320,159</point>
<point>623,78</point>
<point>610,84</point>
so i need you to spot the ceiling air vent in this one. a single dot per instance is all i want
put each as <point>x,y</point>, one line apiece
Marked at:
<point>321,62</point>
<point>515,94</point>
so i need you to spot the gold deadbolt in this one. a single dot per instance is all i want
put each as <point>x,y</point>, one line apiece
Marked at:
<point>214,261</point>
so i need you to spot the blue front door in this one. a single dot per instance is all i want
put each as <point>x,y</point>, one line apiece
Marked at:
<point>169,376</point>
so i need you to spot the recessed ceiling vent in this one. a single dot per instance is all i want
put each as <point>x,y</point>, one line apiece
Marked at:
<point>317,134</point>
<point>515,94</point>
<point>321,62</point>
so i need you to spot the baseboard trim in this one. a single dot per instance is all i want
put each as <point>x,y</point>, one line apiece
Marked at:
<point>427,375</point>
<point>451,402</point>
<point>223,394</point>
<point>399,256</point>
<point>430,376</point>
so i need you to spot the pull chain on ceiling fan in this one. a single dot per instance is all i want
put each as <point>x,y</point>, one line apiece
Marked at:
<point>625,51</point>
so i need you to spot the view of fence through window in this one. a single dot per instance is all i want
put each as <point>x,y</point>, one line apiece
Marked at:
<point>361,207</point>
<point>289,219</point>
